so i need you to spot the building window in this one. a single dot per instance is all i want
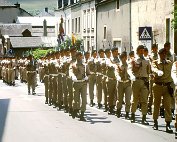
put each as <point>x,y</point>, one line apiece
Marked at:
<point>84,21</point>
<point>117,43</point>
<point>73,25</point>
<point>79,24</point>
<point>168,29</point>
<point>92,43</point>
<point>68,26</point>
<point>88,21</point>
<point>92,20</point>
<point>118,4</point>
<point>105,32</point>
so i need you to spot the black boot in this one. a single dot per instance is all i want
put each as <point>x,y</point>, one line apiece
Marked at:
<point>149,110</point>
<point>66,109</point>
<point>74,113</point>
<point>144,122</point>
<point>100,105</point>
<point>127,115</point>
<point>173,114</point>
<point>132,118</point>
<point>92,103</point>
<point>168,128</point>
<point>162,112</point>
<point>46,101</point>
<point>111,110</point>
<point>82,116</point>
<point>176,134</point>
<point>70,111</point>
<point>118,113</point>
<point>106,108</point>
<point>59,107</point>
<point>155,127</point>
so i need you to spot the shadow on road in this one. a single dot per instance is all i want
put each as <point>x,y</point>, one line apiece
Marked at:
<point>4,104</point>
<point>93,118</point>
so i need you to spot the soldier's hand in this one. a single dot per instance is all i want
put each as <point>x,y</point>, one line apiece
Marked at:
<point>159,73</point>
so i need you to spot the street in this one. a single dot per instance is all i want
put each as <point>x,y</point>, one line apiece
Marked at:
<point>26,118</point>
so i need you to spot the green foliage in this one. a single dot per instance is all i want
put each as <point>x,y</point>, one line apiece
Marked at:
<point>78,44</point>
<point>174,21</point>
<point>38,53</point>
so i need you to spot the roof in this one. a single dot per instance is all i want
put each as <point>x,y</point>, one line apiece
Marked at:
<point>38,21</point>
<point>14,29</point>
<point>45,13</point>
<point>33,42</point>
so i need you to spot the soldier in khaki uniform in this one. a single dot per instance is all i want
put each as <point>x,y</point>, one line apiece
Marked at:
<point>111,83</point>
<point>80,73</point>
<point>92,78</point>
<point>124,86</point>
<point>140,68</point>
<point>46,77</point>
<point>162,88</point>
<point>99,77</point>
<point>153,56</point>
<point>174,76</point>
<point>31,74</point>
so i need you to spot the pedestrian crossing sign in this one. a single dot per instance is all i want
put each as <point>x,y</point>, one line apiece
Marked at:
<point>145,33</point>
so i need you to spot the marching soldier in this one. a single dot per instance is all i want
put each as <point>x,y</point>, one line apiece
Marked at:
<point>111,82</point>
<point>124,86</point>
<point>99,77</point>
<point>139,73</point>
<point>72,59</point>
<point>153,56</point>
<point>80,73</point>
<point>162,87</point>
<point>92,78</point>
<point>174,76</point>
<point>31,74</point>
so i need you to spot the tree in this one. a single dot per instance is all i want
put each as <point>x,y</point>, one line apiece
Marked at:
<point>174,21</point>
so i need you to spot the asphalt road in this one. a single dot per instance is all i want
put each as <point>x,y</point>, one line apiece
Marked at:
<point>25,118</point>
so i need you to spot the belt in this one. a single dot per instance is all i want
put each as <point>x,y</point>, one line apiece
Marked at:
<point>31,71</point>
<point>124,81</point>
<point>79,80</point>
<point>163,83</point>
<point>142,78</point>
<point>54,75</point>
<point>62,73</point>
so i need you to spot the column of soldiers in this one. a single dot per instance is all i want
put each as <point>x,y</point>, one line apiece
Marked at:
<point>136,80</point>
<point>8,70</point>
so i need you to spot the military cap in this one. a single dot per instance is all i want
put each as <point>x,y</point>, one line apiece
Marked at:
<point>123,54</point>
<point>93,51</point>
<point>86,53</point>
<point>101,50</point>
<point>66,49</point>
<point>114,49</point>
<point>78,54</point>
<point>107,50</point>
<point>131,53</point>
<point>167,44</point>
<point>154,46</point>
<point>145,49</point>
<point>140,47</point>
<point>162,51</point>
<point>73,49</point>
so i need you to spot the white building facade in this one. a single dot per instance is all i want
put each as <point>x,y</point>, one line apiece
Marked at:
<point>79,20</point>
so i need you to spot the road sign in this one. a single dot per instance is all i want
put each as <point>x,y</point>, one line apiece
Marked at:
<point>145,33</point>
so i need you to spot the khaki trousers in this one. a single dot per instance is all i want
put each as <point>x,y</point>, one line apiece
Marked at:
<point>140,94</point>
<point>80,91</point>
<point>159,92</point>
<point>124,89</point>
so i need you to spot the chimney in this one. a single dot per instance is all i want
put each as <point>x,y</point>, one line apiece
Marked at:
<point>46,9</point>
<point>17,5</point>
<point>45,27</point>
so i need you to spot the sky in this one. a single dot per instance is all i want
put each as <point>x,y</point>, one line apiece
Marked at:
<point>30,5</point>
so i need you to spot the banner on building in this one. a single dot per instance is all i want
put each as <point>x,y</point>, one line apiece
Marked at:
<point>145,33</point>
